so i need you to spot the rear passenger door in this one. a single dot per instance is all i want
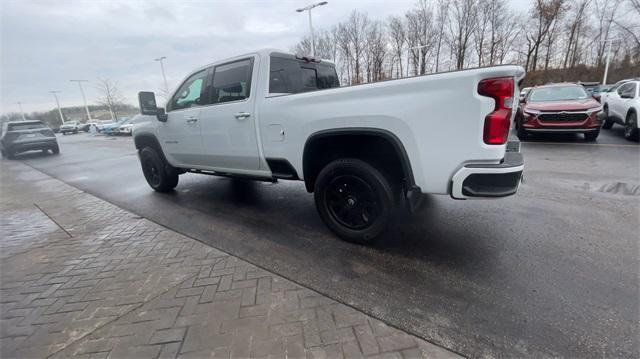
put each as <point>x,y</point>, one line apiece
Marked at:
<point>228,124</point>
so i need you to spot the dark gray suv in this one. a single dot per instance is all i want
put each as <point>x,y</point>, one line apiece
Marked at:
<point>22,136</point>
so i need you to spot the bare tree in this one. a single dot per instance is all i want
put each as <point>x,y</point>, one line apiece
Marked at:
<point>441,19</point>
<point>398,38</point>
<point>110,96</point>
<point>543,15</point>
<point>605,11</point>
<point>462,24</point>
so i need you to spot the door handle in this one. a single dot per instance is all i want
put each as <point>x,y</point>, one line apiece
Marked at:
<point>242,115</point>
<point>192,119</point>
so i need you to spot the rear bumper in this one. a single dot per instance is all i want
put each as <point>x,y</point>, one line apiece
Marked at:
<point>490,181</point>
<point>33,145</point>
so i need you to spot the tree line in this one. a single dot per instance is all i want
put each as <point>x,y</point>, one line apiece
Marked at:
<point>109,105</point>
<point>443,35</point>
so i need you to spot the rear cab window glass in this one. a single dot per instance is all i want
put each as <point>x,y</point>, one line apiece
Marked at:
<point>290,75</point>
<point>26,126</point>
<point>232,81</point>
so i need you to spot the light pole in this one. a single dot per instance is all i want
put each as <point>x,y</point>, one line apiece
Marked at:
<point>21,112</point>
<point>58,103</point>
<point>606,66</point>
<point>84,99</point>
<point>419,56</point>
<point>166,87</point>
<point>308,8</point>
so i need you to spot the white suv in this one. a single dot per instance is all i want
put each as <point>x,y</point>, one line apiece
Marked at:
<point>621,106</point>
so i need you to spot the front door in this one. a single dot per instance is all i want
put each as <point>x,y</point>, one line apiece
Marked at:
<point>228,125</point>
<point>180,134</point>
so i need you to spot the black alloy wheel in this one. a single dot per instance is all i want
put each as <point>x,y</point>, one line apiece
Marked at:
<point>354,199</point>
<point>159,175</point>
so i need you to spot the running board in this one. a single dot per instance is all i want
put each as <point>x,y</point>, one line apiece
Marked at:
<point>234,175</point>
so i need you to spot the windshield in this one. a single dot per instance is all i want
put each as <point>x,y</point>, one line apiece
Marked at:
<point>558,93</point>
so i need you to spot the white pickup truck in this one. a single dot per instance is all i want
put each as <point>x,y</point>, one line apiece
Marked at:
<point>362,150</point>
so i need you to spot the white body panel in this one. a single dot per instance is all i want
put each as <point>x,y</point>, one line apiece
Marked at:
<point>619,107</point>
<point>438,119</point>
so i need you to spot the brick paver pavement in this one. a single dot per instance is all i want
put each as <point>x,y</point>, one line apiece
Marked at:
<point>81,277</point>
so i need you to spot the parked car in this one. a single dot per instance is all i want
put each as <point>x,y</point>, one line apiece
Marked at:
<point>87,125</point>
<point>622,106</point>
<point>559,108</point>
<point>359,149</point>
<point>589,86</point>
<point>599,90</point>
<point>101,124</point>
<point>113,128</point>
<point>524,92</point>
<point>22,136</point>
<point>126,128</point>
<point>70,127</point>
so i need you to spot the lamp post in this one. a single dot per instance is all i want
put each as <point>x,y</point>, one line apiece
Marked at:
<point>606,66</point>
<point>58,103</point>
<point>308,8</point>
<point>84,99</point>
<point>166,86</point>
<point>21,112</point>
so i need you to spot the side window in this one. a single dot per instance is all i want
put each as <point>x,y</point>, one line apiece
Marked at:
<point>623,89</point>
<point>232,82</point>
<point>190,92</point>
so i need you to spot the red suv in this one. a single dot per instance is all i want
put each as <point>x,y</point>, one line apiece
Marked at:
<point>560,108</point>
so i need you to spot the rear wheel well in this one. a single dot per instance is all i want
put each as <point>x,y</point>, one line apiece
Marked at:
<point>631,110</point>
<point>379,148</point>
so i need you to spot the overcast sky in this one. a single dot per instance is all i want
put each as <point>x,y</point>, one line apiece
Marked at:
<point>44,44</point>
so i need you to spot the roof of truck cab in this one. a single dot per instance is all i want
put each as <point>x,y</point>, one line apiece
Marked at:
<point>266,52</point>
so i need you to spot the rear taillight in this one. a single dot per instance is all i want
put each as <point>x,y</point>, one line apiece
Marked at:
<point>497,123</point>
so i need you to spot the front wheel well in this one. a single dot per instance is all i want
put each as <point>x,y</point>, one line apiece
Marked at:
<point>379,148</point>
<point>142,141</point>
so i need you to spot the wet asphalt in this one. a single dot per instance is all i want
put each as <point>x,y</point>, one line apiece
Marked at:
<point>552,271</point>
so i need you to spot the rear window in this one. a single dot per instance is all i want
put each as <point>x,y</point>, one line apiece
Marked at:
<point>26,126</point>
<point>289,75</point>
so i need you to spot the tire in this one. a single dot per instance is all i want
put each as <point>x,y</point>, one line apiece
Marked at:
<point>64,133</point>
<point>76,131</point>
<point>607,123</point>
<point>354,199</point>
<point>521,133</point>
<point>10,154</point>
<point>159,175</point>
<point>631,127</point>
<point>4,154</point>
<point>55,149</point>
<point>44,150</point>
<point>592,135</point>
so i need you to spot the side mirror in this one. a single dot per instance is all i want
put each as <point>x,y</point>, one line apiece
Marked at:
<point>147,101</point>
<point>521,99</point>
